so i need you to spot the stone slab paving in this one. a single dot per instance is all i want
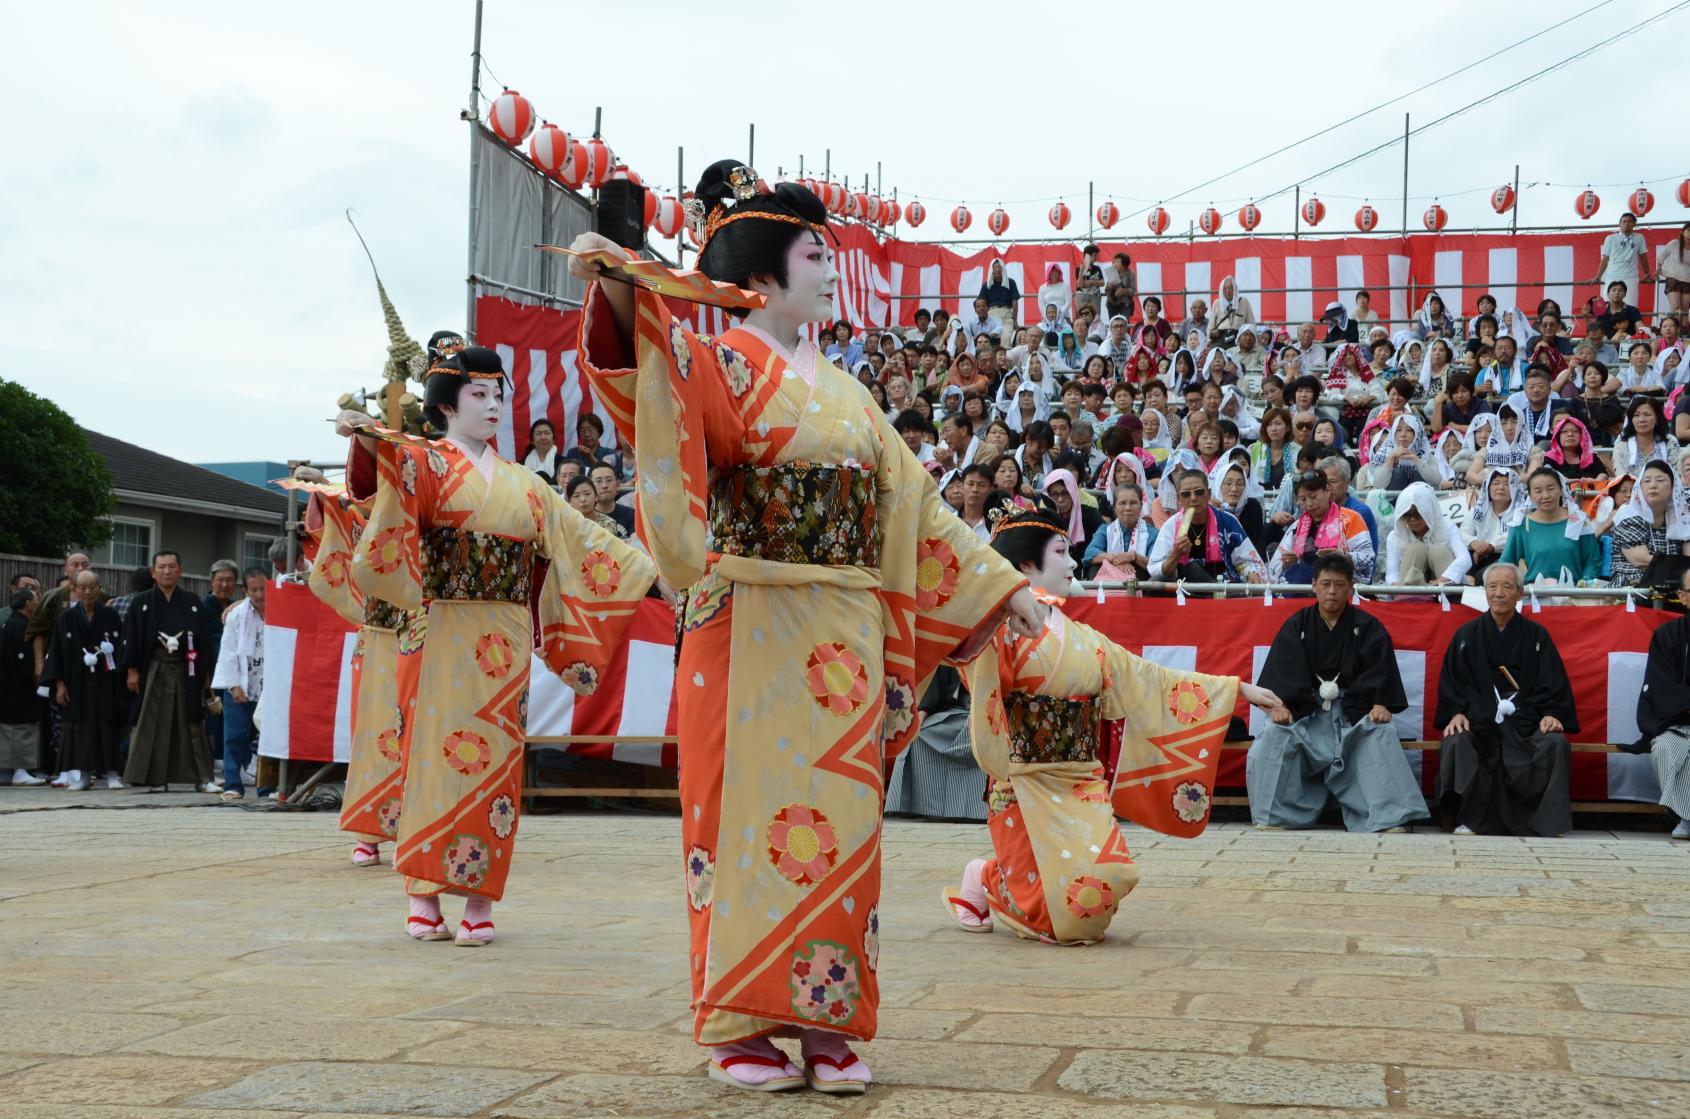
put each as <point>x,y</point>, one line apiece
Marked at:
<point>194,962</point>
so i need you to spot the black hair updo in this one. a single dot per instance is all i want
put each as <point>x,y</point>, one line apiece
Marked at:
<point>1021,537</point>
<point>750,248</point>
<point>443,388</point>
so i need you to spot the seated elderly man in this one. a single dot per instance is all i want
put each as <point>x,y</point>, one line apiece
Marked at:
<point>1506,707</point>
<point>1335,673</point>
<point>1663,711</point>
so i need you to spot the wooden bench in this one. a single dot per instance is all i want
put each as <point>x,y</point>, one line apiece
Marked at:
<point>1578,805</point>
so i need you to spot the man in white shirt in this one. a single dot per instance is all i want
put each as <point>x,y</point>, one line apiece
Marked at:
<point>1314,353</point>
<point>981,323</point>
<point>239,675</point>
<point>914,428</point>
<point>1623,255</point>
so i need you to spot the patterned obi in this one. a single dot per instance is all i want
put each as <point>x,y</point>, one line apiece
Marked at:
<point>475,567</point>
<point>796,513</point>
<point>382,615</point>
<point>1043,729</point>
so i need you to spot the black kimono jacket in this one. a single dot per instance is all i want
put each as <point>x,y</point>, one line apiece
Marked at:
<point>98,692</point>
<point>1472,677</point>
<point>1664,702</point>
<point>18,702</point>
<point>151,614</point>
<point>1357,651</point>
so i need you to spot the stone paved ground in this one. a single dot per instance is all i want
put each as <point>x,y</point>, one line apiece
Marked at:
<point>196,963</point>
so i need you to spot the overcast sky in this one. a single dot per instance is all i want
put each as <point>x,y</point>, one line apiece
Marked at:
<point>179,272</point>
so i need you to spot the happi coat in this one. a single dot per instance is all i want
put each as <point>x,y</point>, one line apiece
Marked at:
<point>826,582</point>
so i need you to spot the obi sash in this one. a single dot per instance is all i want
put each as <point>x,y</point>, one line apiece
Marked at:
<point>1044,729</point>
<point>796,513</point>
<point>463,566</point>
<point>382,615</point>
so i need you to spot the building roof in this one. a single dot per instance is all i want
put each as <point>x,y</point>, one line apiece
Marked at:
<point>139,473</point>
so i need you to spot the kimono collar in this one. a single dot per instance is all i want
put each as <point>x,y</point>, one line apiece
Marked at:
<point>483,462</point>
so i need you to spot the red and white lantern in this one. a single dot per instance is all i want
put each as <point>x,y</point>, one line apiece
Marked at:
<point>1059,215</point>
<point>876,209</point>
<point>915,214</point>
<point>1435,218</point>
<point>1314,211</point>
<point>1502,198</point>
<point>549,148</point>
<point>1209,221</point>
<point>650,214</point>
<point>573,173</point>
<point>511,117</point>
<point>667,221</point>
<point>857,207</point>
<point>1640,202</point>
<point>1249,217</point>
<point>838,198</point>
<point>1157,220</point>
<point>626,174</point>
<point>1684,193</point>
<point>601,161</point>
<point>1108,214</point>
<point>961,218</point>
<point>890,212</point>
<point>1586,204</point>
<point>997,221</point>
<point>1367,219</point>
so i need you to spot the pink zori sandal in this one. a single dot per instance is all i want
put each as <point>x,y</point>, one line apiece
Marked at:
<point>722,1073</point>
<point>968,916</point>
<point>850,1077</point>
<point>474,935</point>
<point>363,854</point>
<point>421,928</point>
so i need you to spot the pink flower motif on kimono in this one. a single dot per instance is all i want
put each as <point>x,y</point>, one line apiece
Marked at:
<point>581,677</point>
<point>1103,671</point>
<point>408,474</point>
<point>387,744</point>
<point>494,655</point>
<point>1089,896</point>
<point>936,571</point>
<point>701,878</point>
<point>465,860</point>
<point>802,844</point>
<point>387,550</point>
<point>900,707</point>
<point>332,566</point>
<point>467,752</point>
<point>501,816</point>
<point>837,677</point>
<point>1188,702</point>
<point>824,983</point>
<point>436,462</point>
<point>1191,802</point>
<point>871,939</point>
<point>387,815</point>
<point>602,574</point>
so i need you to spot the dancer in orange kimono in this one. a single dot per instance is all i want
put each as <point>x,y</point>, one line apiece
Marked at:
<point>462,532</point>
<point>826,582</point>
<point>383,682</point>
<point>1060,866</point>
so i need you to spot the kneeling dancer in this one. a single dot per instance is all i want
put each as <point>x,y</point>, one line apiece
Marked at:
<point>1060,866</point>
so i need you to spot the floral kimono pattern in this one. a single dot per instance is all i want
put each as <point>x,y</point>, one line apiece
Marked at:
<point>1060,865</point>
<point>808,636</point>
<point>484,527</point>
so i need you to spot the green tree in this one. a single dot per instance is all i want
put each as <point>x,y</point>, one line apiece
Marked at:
<point>55,492</point>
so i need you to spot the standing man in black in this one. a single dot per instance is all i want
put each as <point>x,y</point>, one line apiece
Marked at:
<point>164,658</point>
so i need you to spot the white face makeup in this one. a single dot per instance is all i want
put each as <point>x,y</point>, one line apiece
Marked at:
<point>810,281</point>
<point>476,418</point>
<point>1056,573</point>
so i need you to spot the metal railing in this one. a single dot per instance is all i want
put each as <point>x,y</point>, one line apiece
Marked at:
<point>1452,591</point>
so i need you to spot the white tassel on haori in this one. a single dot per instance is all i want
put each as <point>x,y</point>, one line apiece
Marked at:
<point>1328,692</point>
<point>1504,707</point>
<point>172,641</point>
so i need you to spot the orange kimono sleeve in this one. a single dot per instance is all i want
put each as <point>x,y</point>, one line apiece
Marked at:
<point>388,560</point>
<point>338,528</point>
<point>672,398</point>
<point>593,586</point>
